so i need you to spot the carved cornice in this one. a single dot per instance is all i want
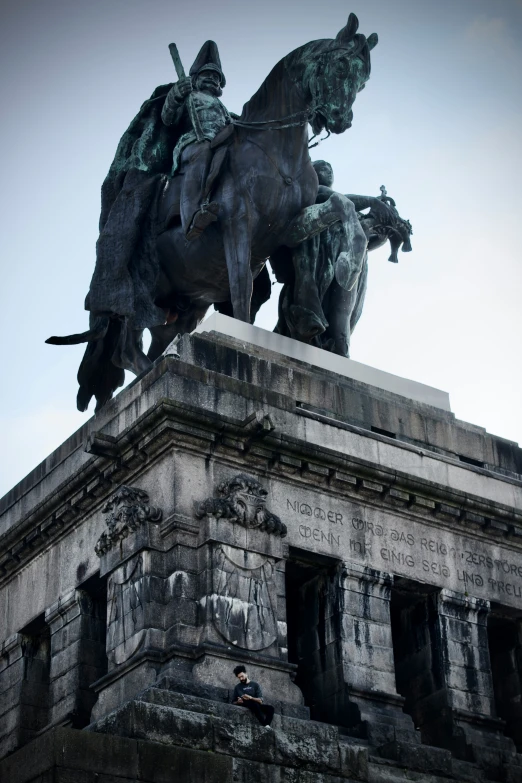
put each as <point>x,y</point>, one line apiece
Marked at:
<point>170,423</point>
<point>463,601</point>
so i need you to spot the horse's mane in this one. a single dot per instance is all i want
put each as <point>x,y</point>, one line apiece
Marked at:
<point>264,97</point>
<point>273,85</point>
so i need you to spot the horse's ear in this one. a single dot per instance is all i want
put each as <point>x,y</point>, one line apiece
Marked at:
<point>372,40</point>
<point>345,35</point>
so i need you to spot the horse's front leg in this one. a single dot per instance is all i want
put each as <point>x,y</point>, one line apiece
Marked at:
<point>237,243</point>
<point>128,351</point>
<point>312,220</point>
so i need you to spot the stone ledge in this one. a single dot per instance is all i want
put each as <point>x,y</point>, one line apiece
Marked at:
<point>69,754</point>
<point>62,754</point>
<point>166,417</point>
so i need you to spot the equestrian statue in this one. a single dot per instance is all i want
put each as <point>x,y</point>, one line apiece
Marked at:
<point>197,199</point>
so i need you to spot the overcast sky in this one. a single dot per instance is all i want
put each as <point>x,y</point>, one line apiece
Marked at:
<point>439,124</point>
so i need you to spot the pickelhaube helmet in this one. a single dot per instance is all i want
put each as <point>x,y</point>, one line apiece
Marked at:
<point>208,60</point>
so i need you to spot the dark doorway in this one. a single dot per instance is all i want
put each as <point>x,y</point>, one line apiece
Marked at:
<point>505,650</point>
<point>418,666</point>
<point>314,633</point>
<point>93,663</point>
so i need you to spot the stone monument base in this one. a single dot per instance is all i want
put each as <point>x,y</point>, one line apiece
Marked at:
<point>248,501</point>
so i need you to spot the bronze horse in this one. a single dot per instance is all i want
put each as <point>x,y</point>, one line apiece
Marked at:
<point>266,189</point>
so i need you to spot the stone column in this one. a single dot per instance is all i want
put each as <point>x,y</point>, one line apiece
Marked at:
<point>77,657</point>
<point>12,668</point>
<point>461,715</point>
<point>24,687</point>
<point>367,657</point>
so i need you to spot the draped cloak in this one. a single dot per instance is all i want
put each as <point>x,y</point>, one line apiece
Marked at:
<point>122,289</point>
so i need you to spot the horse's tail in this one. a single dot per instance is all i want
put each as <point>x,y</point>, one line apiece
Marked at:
<point>98,332</point>
<point>98,376</point>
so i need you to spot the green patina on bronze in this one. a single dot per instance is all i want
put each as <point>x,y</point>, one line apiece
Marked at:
<point>197,199</point>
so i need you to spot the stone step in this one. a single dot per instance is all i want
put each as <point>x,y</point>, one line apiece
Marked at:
<point>225,729</point>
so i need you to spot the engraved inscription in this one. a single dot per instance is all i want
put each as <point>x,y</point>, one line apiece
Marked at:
<point>316,534</point>
<point>404,546</point>
<point>367,527</point>
<point>316,512</point>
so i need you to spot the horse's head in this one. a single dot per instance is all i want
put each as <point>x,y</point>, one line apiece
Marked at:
<point>335,70</point>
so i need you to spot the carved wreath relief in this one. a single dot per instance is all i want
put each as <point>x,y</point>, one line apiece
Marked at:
<point>125,512</point>
<point>242,500</point>
<point>240,606</point>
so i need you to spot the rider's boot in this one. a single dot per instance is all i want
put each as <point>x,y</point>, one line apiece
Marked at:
<point>196,211</point>
<point>206,215</point>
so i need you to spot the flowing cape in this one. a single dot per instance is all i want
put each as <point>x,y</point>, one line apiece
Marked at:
<point>121,294</point>
<point>126,264</point>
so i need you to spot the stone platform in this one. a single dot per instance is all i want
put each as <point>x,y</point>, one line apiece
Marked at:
<point>332,527</point>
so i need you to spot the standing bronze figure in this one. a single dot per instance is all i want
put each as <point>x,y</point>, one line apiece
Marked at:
<point>197,199</point>
<point>325,277</point>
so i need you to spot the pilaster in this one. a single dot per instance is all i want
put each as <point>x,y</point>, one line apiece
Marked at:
<point>78,657</point>
<point>24,687</point>
<point>461,715</point>
<point>367,656</point>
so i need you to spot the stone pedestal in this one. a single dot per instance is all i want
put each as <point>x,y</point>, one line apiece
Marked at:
<point>235,505</point>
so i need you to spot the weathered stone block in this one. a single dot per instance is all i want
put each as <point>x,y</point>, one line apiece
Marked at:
<point>460,630</point>
<point>168,764</point>
<point>463,654</point>
<point>471,679</point>
<point>10,699</point>
<point>10,721</point>
<point>370,655</point>
<point>317,747</point>
<point>242,735</point>
<point>470,702</point>
<point>357,604</point>
<point>368,679</point>
<point>419,757</point>
<point>160,724</point>
<point>466,771</point>
<point>354,761</point>
<point>181,611</point>
<point>12,675</point>
<point>84,651</point>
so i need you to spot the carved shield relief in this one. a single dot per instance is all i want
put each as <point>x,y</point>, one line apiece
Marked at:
<point>241,606</point>
<point>125,633</point>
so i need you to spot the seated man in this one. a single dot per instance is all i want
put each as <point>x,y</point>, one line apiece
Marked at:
<point>247,693</point>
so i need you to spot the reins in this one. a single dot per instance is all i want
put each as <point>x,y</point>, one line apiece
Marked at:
<point>262,124</point>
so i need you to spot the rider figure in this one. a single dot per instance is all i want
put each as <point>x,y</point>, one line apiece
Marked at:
<point>193,105</point>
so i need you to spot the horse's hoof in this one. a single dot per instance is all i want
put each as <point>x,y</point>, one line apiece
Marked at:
<point>305,324</point>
